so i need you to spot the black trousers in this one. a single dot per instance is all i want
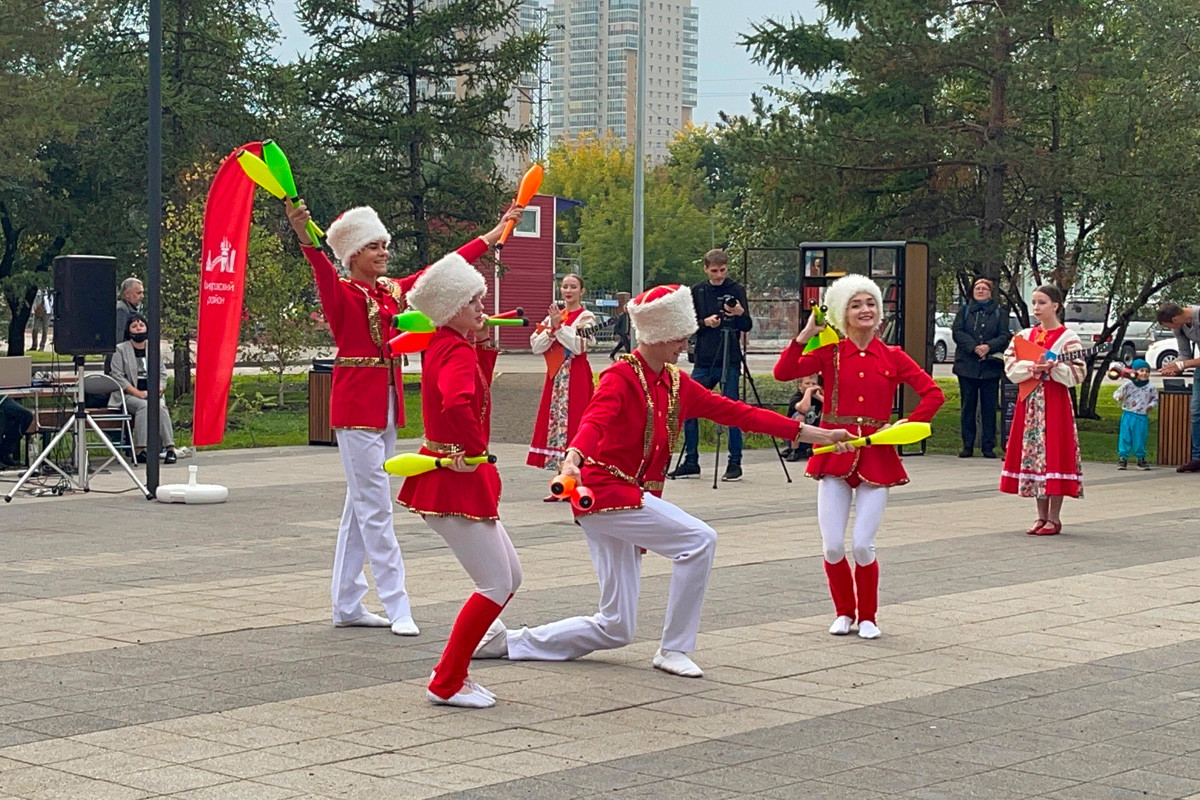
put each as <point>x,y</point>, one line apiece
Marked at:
<point>14,421</point>
<point>622,344</point>
<point>982,394</point>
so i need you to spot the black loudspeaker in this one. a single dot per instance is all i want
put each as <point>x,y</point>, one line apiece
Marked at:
<point>85,305</point>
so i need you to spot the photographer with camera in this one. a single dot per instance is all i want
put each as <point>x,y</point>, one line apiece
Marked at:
<point>723,315</point>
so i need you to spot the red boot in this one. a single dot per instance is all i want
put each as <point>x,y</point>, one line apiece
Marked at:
<point>841,587</point>
<point>866,583</point>
<point>477,615</point>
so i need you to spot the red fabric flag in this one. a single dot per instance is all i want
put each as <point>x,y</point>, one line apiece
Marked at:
<point>222,281</point>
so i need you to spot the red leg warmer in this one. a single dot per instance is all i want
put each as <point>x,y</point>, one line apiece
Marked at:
<point>866,581</point>
<point>841,587</point>
<point>477,614</point>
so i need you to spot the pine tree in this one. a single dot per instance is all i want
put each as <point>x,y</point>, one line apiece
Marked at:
<point>408,96</point>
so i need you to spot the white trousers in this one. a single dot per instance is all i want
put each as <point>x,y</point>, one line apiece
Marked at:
<point>834,496</point>
<point>614,538</point>
<point>367,532</point>
<point>485,552</point>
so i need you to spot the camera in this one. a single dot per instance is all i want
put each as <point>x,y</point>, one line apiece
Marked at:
<point>728,300</point>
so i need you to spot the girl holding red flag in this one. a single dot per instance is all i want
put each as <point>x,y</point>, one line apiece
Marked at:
<point>461,503</point>
<point>568,386</point>
<point>1042,457</point>
<point>861,375</point>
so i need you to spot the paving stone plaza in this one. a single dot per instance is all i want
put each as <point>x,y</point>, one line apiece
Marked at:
<point>151,650</point>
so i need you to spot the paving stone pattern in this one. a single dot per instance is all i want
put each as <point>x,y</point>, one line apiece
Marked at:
<point>149,650</point>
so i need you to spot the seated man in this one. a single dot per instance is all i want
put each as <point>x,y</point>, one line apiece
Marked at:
<point>129,371</point>
<point>14,422</point>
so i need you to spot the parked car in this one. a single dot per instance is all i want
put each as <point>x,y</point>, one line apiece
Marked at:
<point>604,327</point>
<point>1163,352</point>
<point>1087,318</point>
<point>943,339</point>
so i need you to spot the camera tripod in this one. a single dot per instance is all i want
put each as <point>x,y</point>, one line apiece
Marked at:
<point>78,425</point>
<point>727,333</point>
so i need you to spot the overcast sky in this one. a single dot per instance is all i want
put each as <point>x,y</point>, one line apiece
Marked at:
<point>727,76</point>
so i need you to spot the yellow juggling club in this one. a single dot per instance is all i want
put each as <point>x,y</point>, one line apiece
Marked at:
<point>409,464</point>
<point>904,433</point>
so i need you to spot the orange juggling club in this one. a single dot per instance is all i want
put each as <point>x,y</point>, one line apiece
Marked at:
<point>408,342</point>
<point>565,486</point>
<point>525,192</point>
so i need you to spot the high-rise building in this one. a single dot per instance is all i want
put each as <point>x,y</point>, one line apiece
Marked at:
<point>524,101</point>
<point>593,69</point>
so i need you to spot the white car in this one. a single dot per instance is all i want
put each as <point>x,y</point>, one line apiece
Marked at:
<point>943,344</point>
<point>1163,352</point>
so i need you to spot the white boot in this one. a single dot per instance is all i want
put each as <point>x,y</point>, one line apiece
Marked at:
<point>841,626</point>
<point>367,620</point>
<point>868,630</point>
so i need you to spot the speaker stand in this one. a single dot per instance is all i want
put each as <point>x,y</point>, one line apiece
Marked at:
<point>78,424</point>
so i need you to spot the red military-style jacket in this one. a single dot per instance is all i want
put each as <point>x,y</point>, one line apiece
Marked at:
<point>860,387</point>
<point>360,318</point>
<point>629,430</point>
<point>456,405</point>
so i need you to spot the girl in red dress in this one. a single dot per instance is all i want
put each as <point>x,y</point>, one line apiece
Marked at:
<point>561,339</point>
<point>861,375</point>
<point>460,503</point>
<point>1041,459</point>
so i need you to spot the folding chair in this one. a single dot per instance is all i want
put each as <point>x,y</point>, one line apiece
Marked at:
<point>117,420</point>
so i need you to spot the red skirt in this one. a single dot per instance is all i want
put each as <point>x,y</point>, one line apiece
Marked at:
<point>446,493</point>
<point>1041,457</point>
<point>878,465</point>
<point>565,395</point>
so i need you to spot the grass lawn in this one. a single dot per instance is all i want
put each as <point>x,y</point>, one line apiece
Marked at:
<point>255,421</point>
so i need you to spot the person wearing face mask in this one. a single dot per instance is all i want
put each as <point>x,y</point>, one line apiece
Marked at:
<point>128,369</point>
<point>625,440</point>
<point>461,503</point>
<point>860,374</point>
<point>366,406</point>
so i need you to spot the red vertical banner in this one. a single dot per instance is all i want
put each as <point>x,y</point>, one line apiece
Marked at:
<point>222,281</point>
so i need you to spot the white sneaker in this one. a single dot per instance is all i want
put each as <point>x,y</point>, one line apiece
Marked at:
<point>677,663</point>
<point>841,626</point>
<point>494,643</point>
<point>405,627</point>
<point>868,630</point>
<point>367,620</point>
<point>468,696</point>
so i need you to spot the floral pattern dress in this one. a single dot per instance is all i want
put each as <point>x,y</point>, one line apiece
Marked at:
<point>1042,455</point>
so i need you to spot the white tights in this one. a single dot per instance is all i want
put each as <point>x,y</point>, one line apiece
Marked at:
<point>485,552</point>
<point>833,513</point>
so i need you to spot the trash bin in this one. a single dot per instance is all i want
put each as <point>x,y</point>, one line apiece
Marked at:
<point>1174,424</point>
<point>320,388</point>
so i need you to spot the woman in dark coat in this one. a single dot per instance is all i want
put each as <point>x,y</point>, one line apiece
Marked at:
<point>980,331</point>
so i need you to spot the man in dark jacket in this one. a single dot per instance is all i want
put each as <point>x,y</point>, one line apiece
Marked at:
<point>723,315</point>
<point>981,335</point>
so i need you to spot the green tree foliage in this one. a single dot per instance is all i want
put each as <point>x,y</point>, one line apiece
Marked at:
<point>684,218</point>
<point>1027,140</point>
<point>408,96</point>
<point>44,105</point>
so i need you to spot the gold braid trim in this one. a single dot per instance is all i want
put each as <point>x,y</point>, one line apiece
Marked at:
<point>375,320</point>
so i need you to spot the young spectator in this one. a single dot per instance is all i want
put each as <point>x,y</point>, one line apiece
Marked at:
<point>805,405</point>
<point>1136,396</point>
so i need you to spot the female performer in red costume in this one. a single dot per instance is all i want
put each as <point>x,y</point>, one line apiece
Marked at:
<point>460,503</point>
<point>568,385</point>
<point>1042,456</point>
<point>861,375</point>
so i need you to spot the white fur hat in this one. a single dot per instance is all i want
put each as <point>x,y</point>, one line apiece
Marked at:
<point>445,287</point>
<point>354,230</point>
<point>663,314</point>
<point>842,291</point>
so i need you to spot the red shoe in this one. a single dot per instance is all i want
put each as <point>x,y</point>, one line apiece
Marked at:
<point>1049,529</point>
<point>1037,526</point>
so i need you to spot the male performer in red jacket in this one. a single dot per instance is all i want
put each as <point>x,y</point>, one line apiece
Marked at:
<point>624,463</point>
